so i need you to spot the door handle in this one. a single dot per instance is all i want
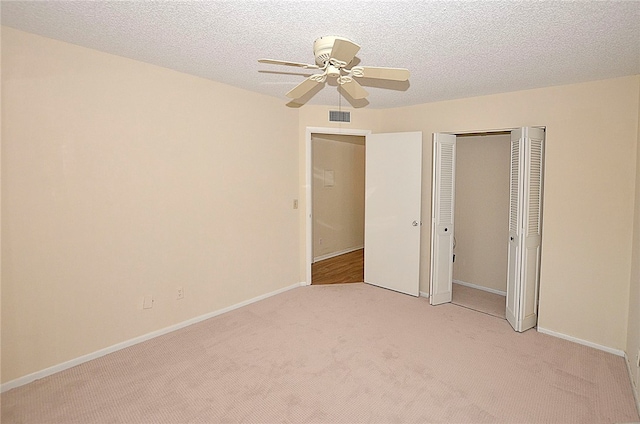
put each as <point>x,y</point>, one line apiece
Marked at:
<point>414,223</point>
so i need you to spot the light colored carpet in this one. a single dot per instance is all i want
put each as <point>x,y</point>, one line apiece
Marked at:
<point>479,300</point>
<point>337,353</point>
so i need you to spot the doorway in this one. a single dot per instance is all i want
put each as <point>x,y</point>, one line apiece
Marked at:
<point>337,208</point>
<point>392,223</point>
<point>309,175</point>
<point>481,214</point>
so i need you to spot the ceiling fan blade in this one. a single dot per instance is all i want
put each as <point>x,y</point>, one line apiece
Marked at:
<point>282,62</point>
<point>344,50</point>
<point>303,88</point>
<point>354,89</point>
<point>393,74</point>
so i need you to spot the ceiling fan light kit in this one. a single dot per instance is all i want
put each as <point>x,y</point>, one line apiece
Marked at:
<point>333,55</point>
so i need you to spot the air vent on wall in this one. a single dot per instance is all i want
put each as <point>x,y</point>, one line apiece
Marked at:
<point>339,116</point>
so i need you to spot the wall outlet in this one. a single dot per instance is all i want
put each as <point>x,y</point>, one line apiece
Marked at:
<point>147,303</point>
<point>180,293</point>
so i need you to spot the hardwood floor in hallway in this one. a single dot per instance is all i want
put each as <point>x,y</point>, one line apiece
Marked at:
<point>347,268</point>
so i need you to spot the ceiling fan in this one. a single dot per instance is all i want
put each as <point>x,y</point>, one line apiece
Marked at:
<point>333,55</point>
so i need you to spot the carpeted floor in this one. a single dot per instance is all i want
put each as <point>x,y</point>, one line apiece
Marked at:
<point>337,353</point>
<point>479,300</point>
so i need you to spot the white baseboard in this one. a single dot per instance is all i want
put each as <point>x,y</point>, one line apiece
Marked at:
<point>21,381</point>
<point>334,254</point>
<point>608,349</point>
<point>475,286</point>
<point>424,294</point>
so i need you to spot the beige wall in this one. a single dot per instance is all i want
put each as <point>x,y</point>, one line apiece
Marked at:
<point>122,179</point>
<point>588,200</point>
<point>338,209</point>
<point>633,331</point>
<point>482,210</point>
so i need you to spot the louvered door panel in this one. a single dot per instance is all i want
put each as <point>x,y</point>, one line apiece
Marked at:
<point>532,228</point>
<point>514,184</point>
<point>442,218</point>
<point>445,209</point>
<point>513,255</point>
<point>535,187</point>
<point>525,226</point>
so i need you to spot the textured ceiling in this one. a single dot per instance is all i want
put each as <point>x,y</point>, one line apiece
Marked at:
<point>453,49</point>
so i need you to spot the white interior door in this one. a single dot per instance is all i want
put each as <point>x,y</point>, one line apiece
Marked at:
<point>442,218</point>
<point>525,222</point>
<point>393,181</point>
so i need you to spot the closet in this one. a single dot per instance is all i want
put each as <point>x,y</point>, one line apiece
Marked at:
<point>524,224</point>
<point>481,216</point>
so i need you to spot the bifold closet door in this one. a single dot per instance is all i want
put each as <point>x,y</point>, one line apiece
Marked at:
<point>525,222</point>
<point>442,218</point>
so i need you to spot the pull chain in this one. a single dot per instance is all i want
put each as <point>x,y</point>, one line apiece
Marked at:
<point>339,106</point>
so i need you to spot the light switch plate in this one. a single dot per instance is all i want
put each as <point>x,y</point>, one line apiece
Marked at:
<point>329,179</point>
<point>148,302</point>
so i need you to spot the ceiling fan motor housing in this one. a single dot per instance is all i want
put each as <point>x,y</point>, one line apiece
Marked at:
<point>322,48</point>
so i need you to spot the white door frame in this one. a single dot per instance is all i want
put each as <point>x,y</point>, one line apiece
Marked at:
<point>308,182</point>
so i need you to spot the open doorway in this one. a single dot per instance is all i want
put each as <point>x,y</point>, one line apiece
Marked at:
<point>481,216</point>
<point>392,224</point>
<point>337,208</point>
